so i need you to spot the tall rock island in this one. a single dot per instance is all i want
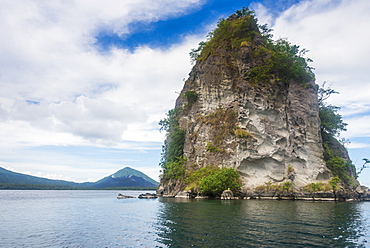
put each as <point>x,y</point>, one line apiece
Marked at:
<point>251,104</point>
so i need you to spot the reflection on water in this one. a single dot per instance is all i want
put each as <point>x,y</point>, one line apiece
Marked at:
<point>99,219</point>
<point>213,223</point>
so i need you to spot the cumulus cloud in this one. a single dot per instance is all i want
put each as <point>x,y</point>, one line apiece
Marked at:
<point>54,79</point>
<point>358,126</point>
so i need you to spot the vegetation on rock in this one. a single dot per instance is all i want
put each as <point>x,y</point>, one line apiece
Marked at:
<point>281,61</point>
<point>269,187</point>
<point>275,60</point>
<point>241,133</point>
<point>195,176</point>
<point>366,161</point>
<point>334,183</point>
<point>172,161</point>
<point>223,122</point>
<point>220,180</point>
<point>331,121</point>
<point>331,126</point>
<point>212,181</point>
<point>191,96</point>
<point>316,187</point>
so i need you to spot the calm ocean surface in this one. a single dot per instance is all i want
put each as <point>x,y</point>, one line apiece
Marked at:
<point>98,219</point>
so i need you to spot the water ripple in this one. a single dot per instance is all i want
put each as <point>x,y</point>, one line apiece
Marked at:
<point>98,219</point>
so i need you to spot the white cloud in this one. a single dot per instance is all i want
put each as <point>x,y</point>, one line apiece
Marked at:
<point>357,145</point>
<point>264,16</point>
<point>49,58</point>
<point>337,35</point>
<point>358,127</point>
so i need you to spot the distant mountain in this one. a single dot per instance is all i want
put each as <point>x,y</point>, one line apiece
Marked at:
<point>7,176</point>
<point>126,177</point>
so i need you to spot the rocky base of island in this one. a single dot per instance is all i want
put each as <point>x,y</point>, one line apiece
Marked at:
<point>362,193</point>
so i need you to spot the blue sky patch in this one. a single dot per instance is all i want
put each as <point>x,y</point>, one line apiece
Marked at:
<point>162,34</point>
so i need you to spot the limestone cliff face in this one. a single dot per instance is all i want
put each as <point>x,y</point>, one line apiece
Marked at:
<point>281,121</point>
<point>268,130</point>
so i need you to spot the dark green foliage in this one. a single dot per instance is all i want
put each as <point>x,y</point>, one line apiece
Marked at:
<point>173,162</point>
<point>287,186</point>
<point>174,169</point>
<point>265,32</point>
<point>338,167</point>
<point>331,126</point>
<point>230,33</point>
<point>220,180</point>
<point>174,144</point>
<point>193,178</point>
<point>170,121</point>
<point>195,53</point>
<point>281,61</point>
<point>315,187</point>
<point>244,12</point>
<point>331,121</point>
<point>191,96</point>
<point>278,60</point>
<point>335,183</point>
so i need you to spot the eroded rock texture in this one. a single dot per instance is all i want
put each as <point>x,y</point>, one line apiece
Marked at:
<point>280,123</point>
<point>268,130</point>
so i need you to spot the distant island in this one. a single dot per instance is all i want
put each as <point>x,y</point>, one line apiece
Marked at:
<point>126,178</point>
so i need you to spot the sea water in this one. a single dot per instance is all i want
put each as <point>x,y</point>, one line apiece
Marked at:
<point>99,219</point>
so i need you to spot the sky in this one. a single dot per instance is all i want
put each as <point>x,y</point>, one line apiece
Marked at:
<point>84,83</point>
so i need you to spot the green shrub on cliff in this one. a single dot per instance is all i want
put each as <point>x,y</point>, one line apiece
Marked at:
<point>281,61</point>
<point>331,121</point>
<point>223,179</point>
<point>335,183</point>
<point>193,178</point>
<point>212,181</point>
<point>172,161</point>
<point>275,60</point>
<point>241,133</point>
<point>174,169</point>
<point>191,96</point>
<point>315,187</point>
<point>331,125</point>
